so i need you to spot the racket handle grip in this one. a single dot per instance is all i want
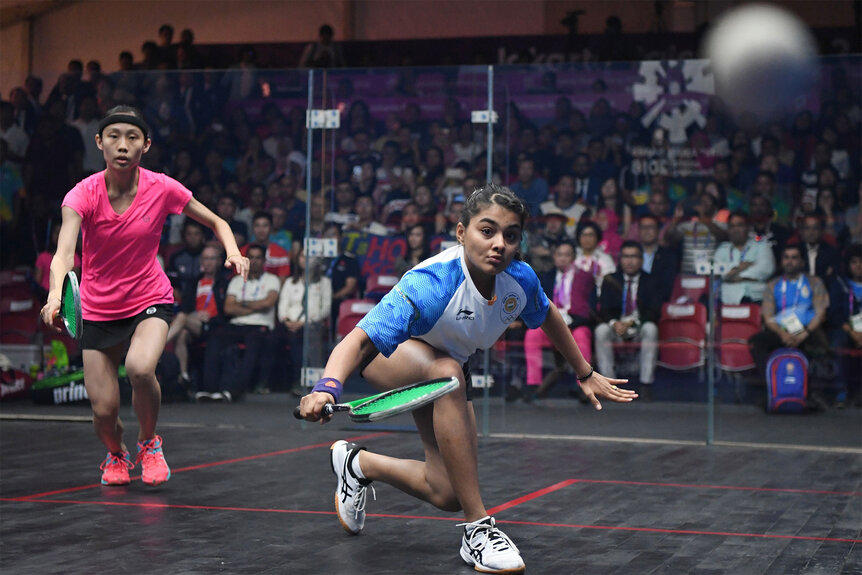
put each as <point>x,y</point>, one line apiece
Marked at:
<point>327,411</point>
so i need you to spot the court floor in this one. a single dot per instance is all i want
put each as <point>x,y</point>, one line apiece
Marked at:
<point>252,492</point>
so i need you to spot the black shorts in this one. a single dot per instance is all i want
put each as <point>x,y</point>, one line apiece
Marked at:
<point>107,334</point>
<point>468,380</point>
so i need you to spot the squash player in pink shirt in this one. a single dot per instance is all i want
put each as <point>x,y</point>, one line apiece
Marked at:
<point>126,298</point>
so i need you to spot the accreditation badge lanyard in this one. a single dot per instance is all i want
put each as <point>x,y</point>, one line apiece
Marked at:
<point>209,297</point>
<point>256,290</point>
<point>741,253</point>
<point>784,293</point>
<point>787,317</point>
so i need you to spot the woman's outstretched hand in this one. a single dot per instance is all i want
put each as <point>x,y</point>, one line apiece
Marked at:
<point>597,386</point>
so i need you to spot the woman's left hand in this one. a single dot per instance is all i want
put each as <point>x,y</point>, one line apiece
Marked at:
<point>600,386</point>
<point>239,264</point>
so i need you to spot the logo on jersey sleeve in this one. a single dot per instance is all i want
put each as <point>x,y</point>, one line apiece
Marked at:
<point>511,308</point>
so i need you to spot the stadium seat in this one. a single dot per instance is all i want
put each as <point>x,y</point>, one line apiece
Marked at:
<point>350,312</point>
<point>15,337</point>
<point>378,286</point>
<point>682,336</point>
<point>27,307</point>
<point>737,324</point>
<point>9,277</point>
<point>19,319</point>
<point>15,285</point>
<point>689,288</point>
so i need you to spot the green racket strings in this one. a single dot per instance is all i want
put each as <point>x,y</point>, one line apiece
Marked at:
<point>70,312</point>
<point>396,399</point>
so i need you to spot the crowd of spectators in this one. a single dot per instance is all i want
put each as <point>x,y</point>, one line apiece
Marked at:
<point>793,181</point>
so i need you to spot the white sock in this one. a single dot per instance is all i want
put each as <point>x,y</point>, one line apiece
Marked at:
<point>354,467</point>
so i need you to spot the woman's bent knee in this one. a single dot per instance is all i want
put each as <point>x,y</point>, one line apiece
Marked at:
<point>447,367</point>
<point>139,373</point>
<point>105,411</point>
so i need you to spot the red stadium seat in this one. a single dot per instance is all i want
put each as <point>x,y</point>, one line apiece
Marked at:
<point>378,286</point>
<point>15,337</point>
<point>350,312</point>
<point>682,336</point>
<point>19,319</point>
<point>11,277</point>
<point>15,285</point>
<point>689,288</point>
<point>737,324</point>
<point>22,310</point>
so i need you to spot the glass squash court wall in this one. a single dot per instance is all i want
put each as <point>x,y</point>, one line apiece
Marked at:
<point>644,118</point>
<point>649,118</point>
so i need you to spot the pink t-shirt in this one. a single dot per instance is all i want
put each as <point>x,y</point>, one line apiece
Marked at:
<point>120,273</point>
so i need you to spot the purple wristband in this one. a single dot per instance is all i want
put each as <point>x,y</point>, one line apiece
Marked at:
<point>329,385</point>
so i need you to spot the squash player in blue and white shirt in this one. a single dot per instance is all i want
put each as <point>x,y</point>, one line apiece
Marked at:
<point>439,314</point>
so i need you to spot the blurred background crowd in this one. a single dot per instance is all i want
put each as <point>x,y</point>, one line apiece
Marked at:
<point>631,192</point>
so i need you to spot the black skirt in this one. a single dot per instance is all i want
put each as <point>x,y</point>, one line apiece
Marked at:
<point>107,334</point>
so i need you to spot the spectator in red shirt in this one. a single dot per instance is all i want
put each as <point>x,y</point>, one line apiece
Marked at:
<point>277,258</point>
<point>202,306</point>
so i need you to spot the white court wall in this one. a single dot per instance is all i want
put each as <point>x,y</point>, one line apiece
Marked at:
<point>101,29</point>
<point>13,57</point>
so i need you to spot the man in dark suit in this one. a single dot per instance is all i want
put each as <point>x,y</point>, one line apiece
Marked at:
<point>587,186</point>
<point>630,307</point>
<point>660,262</point>
<point>763,226</point>
<point>822,259</point>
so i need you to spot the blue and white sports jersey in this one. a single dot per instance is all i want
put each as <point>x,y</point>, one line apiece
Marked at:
<point>437,302</point>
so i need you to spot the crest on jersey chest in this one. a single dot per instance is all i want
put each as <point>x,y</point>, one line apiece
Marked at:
<point>510,309</point>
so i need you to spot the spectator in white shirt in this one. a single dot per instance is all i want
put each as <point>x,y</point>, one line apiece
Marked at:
<point>250,304</point>
<point>747,263</point>
<point>564,200</point>
<point>298,313</point>
<point>87,123</point>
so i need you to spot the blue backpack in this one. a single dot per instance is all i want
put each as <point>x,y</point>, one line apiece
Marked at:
<point>786,381</point>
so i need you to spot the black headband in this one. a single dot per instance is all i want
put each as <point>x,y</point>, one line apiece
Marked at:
<point>123,118</point>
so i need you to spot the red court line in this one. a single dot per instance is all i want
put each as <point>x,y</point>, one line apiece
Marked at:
<point>195,467</point>
<point>530,496</point>
<point>449,519</point>
<point>562,484</point>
